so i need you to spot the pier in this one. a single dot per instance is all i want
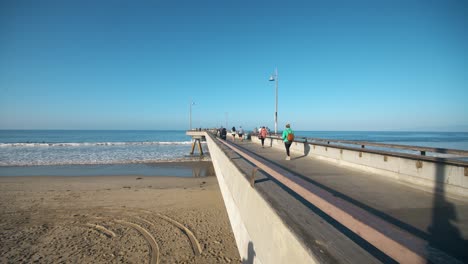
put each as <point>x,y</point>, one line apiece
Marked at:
<point>197,138</point>
<point>342,202</point>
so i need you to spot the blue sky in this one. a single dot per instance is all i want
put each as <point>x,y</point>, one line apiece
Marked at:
<point>343,65</point>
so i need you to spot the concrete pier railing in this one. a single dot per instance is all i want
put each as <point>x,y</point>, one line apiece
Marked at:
<point>251,217</point>
<point>432,174</point>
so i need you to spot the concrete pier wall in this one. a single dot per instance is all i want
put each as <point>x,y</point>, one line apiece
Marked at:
<point>251,217</point>
<point>421,173</point>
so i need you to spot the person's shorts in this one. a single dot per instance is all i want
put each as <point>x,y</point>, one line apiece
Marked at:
<point>240,135</point>
<point>234,135</point>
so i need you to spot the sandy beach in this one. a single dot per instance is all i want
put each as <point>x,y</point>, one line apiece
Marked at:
<point>114,219</point>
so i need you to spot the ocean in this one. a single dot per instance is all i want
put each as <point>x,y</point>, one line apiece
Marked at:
<point>127,149</point>
<point>99,152</point>
<point>65,147</point>
<point>448,140</point>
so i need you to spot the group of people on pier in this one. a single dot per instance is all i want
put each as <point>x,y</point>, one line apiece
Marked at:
<point>222,132</point>
<point>262,133</point>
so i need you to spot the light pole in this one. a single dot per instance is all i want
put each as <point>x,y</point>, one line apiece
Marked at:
<point>191,103</point>
<point>275,78</point>
<point>226,113</point>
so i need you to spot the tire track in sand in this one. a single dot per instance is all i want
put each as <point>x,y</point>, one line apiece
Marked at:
<point>104,230</point>
<point>195,244</point>
<point>193,240</point>
<point>154,257</point>
<point>196,247</point>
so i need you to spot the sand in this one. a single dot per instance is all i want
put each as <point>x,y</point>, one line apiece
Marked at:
<point>114,219</point>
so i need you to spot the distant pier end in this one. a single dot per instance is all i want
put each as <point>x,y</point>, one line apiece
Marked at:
<point>197,137</point>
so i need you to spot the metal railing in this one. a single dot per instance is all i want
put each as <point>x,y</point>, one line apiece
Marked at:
<point>452,156</point>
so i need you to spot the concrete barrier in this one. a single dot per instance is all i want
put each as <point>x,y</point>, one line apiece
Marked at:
<point>251,217</point>
<point>422,172</point>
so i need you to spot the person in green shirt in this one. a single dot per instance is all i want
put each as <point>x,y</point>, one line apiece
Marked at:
<point>288,139</point>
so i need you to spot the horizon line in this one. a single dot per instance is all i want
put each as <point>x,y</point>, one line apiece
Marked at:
<point>86,129</point>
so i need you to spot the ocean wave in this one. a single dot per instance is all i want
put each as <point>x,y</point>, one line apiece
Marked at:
<point>92,144</point>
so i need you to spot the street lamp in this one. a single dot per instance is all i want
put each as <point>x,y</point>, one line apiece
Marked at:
<point>274,77</point>
<point>226,114</point>
<point>191,103</point>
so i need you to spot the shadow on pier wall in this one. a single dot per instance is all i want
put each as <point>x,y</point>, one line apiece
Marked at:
<point>442,233</point>
<point>250,255</point>
<point>306,149</point>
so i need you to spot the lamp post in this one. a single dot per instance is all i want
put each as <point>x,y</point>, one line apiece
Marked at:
<point>191,103</point>
<point>226,114</point>
<point>274,77</point>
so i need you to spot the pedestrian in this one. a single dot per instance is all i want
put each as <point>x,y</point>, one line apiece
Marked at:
<point>262,135</point>
<point>233,133</point>
<point>223,133</point>
<point>288,138</point>
<point>241,133</point>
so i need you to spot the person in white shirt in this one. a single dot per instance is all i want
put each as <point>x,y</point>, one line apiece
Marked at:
<point>241,133</point>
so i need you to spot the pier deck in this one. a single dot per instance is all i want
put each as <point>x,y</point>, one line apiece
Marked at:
<point>437,219</point>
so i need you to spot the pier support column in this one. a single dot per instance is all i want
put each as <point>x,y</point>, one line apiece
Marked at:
<point>197,138</point>
<point>198,143</point>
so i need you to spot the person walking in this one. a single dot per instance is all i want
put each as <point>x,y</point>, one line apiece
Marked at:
<point>288,138</point>
<point>241,133</point>
<point>222,133</point>
<point>262,135</point>
<point>233,133</point>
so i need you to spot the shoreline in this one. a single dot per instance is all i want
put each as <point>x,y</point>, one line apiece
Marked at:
<point>172,168</point>
<point>104,219</point>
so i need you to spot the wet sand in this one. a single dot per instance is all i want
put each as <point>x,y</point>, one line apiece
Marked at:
<point>114,219</point>
<point>178,169</point>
